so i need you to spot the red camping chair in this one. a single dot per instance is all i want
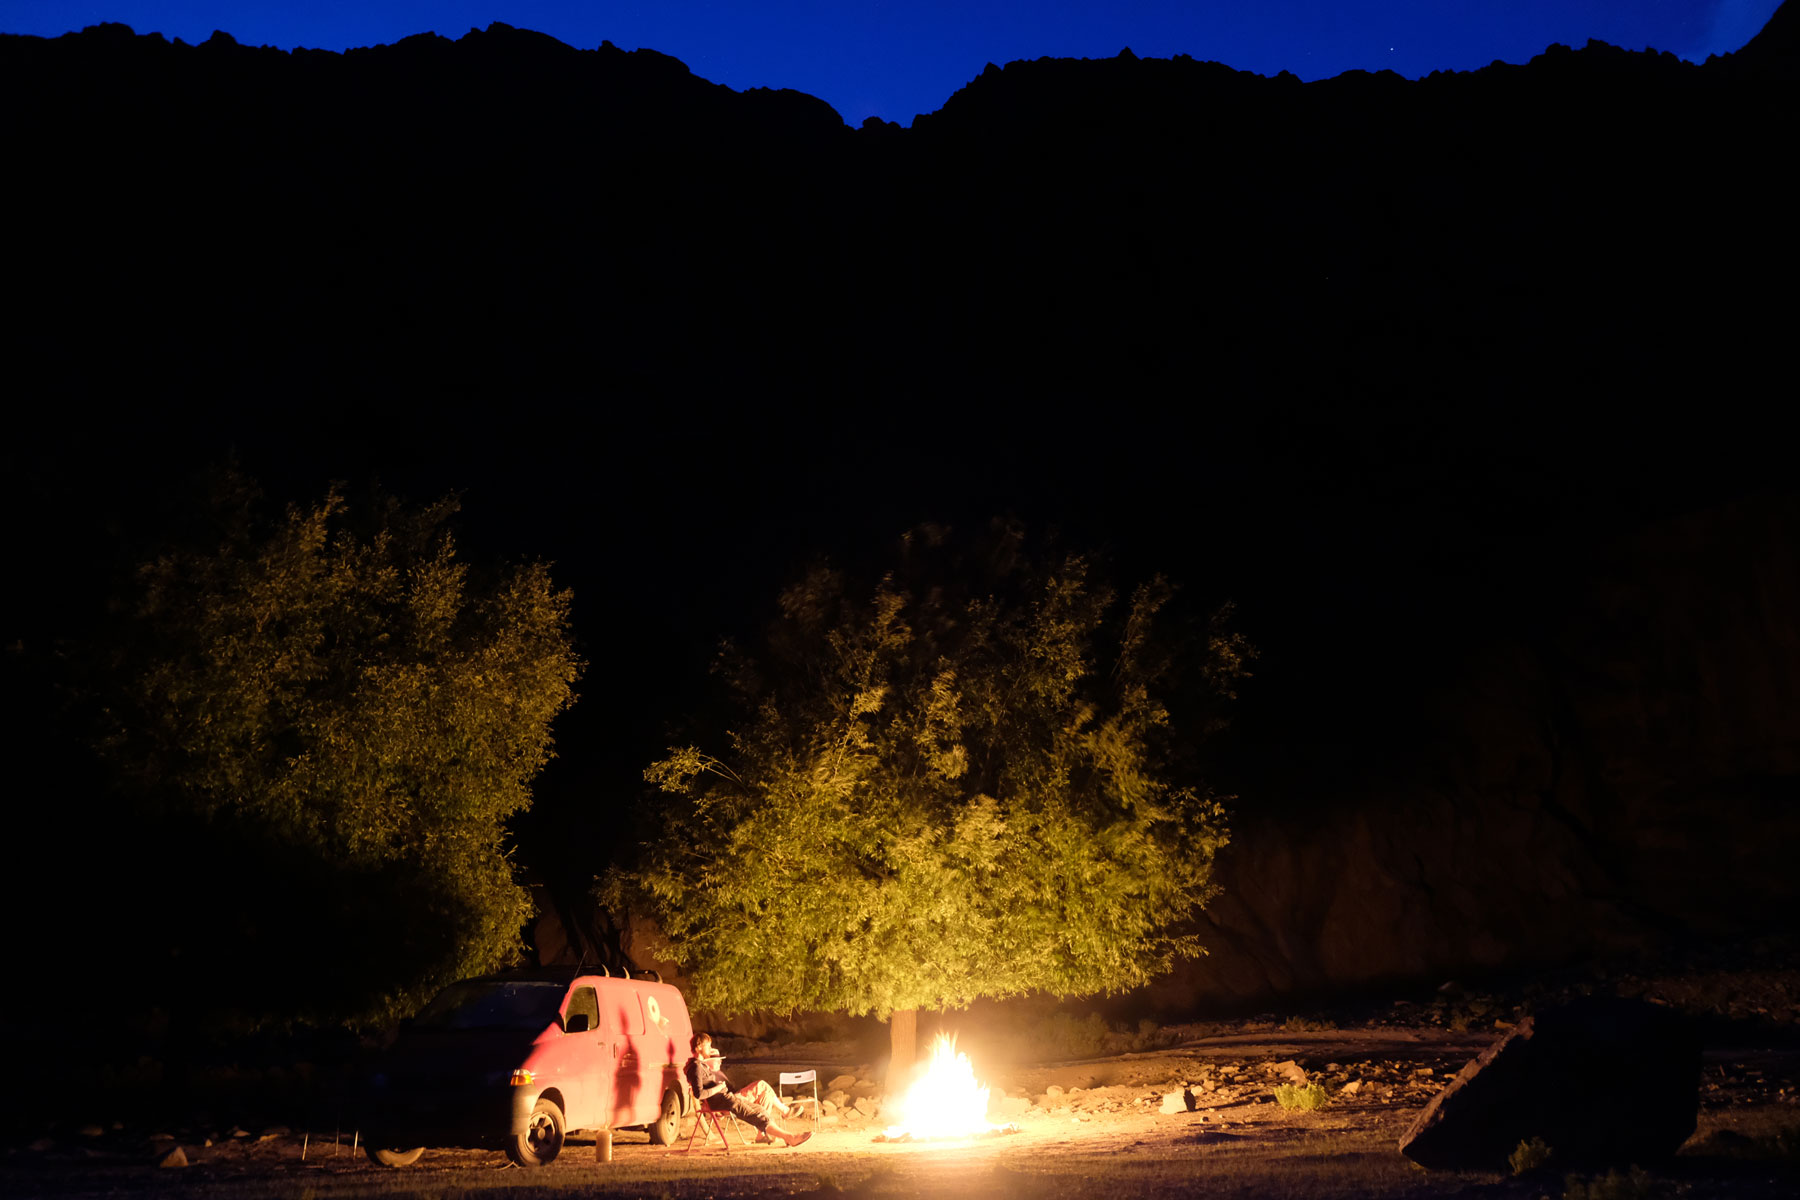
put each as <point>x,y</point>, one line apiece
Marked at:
<point>704,1118</point>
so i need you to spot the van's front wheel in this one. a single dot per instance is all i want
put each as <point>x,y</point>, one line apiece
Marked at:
<point>542,1140</point>
<point>662,1130</point>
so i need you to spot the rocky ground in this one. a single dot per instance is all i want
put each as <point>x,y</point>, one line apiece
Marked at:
<point>1197,1114</point>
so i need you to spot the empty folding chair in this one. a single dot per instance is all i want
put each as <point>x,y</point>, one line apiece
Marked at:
<point>797,1079</point>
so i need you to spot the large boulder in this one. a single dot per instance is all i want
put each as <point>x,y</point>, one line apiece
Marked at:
<point>1601,1081</point>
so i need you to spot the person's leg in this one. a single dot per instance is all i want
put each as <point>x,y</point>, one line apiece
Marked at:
<point>758,1117</point>
<point>759,1092</point>
<point>753,1115</point>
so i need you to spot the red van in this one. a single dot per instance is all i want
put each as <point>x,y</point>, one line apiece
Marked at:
<point>527,1057</point>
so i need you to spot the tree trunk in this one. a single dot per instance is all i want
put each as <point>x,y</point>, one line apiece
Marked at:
<point>903,1048</point>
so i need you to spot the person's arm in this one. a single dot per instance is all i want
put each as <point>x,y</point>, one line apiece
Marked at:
<point>708,1080</point>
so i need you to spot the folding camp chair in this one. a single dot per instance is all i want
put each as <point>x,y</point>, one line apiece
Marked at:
<point>716,1120</point>
<point>796,1079</point>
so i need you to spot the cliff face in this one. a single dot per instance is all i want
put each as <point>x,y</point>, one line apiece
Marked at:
<point>1514,740</point>
<point>1628,769</point>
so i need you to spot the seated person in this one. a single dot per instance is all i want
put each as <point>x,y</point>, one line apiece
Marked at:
<point>752,1105</point>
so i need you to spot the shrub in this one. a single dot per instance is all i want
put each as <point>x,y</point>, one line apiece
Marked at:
<point>1149,1036</point>
<point>1068,1036</point>
<point>1529,1156</point>
<point>1301,1096</point>
<point>1634,1184</point>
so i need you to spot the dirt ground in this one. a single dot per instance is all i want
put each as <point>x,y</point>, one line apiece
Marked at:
<point>1094,1127</point>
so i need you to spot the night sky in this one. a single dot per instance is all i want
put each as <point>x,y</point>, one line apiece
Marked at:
<point>893,60</point>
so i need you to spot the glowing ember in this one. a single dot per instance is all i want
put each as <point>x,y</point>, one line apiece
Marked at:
<point>945,1101</point>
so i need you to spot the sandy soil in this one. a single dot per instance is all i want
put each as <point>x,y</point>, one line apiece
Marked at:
<point>1094,1127</point>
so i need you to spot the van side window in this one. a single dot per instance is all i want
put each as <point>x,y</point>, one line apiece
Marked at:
<point>584,1002</point>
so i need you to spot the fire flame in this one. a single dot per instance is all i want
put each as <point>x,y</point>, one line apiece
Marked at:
<point>945,1101</point>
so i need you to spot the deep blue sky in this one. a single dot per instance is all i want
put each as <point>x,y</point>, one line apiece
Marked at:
<point>895,58</point>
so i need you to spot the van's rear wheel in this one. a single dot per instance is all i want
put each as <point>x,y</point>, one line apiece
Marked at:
<point>542,1140</point>
<point>662,1130</point>
<point>393,1158</point>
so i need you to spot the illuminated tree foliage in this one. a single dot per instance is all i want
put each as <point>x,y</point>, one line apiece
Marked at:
<point>955,785</point>
<point>342,716</point>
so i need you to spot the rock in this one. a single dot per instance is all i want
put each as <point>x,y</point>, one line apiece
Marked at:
<point>1351,1088</point>
<point>828,1106</point>
<point>1174,1102</point>
<point>176,1157</point>
<point>838,1096</point>
<point>865,1105</point>
<point>1010,1106</point>
<point>1291,1071</point>
<point>1052,1091</point>
<point>90,1131</point>
<point>1603,1082</point>
<point>41,1145</point>
<point>276,1131</point>
<point>842,1083</point>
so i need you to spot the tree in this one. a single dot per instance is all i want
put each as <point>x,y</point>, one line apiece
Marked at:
<point>958,787</point>
<point>336,717</point>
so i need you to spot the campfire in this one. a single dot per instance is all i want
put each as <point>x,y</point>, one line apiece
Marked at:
<point>945,1101</point>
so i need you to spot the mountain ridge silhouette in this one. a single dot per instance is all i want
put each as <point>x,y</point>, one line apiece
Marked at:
<point>1769,52</point>
<point>506,198</point>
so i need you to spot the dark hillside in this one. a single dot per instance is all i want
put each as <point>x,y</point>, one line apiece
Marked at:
<point>506,203</point>
<point>1472,390</point>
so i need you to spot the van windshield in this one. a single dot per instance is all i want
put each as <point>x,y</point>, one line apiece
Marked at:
<point>525,1005</point>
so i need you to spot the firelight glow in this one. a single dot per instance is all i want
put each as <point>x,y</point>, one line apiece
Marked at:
<point>946,1101</point>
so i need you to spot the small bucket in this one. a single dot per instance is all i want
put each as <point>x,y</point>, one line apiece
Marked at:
<point>603,1146</point>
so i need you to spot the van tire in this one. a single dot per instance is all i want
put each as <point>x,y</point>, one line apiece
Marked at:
<point>542,1140</point>
<point>662,1130</point>
<point>382,1156</point>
